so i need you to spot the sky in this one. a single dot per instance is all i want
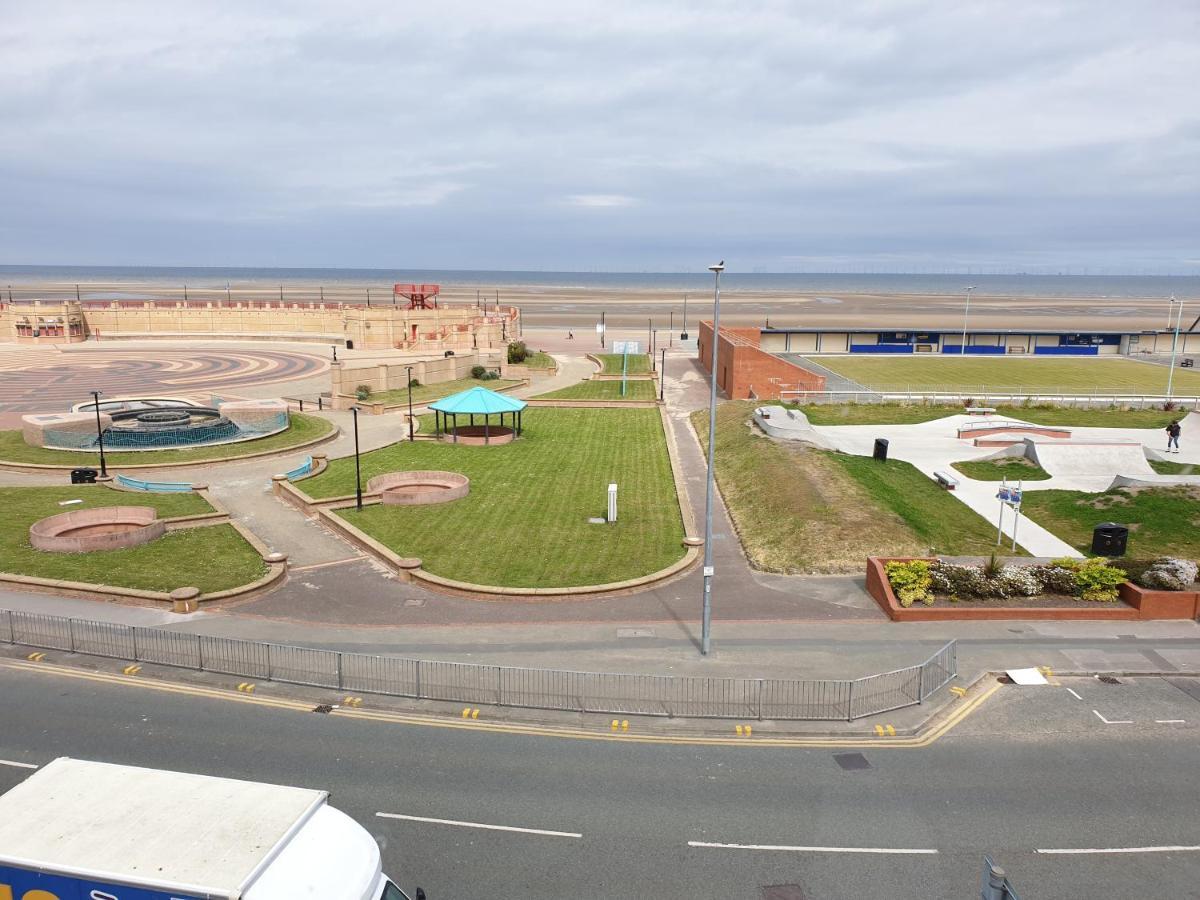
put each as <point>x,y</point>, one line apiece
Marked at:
<point>618,136</point>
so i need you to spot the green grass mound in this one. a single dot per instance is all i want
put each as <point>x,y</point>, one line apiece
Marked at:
<point>605,390</point>
<point>524,524</point>
<point>211,558</point>
<point>303,428</point>
<point>1012,468</point>
<point>614,363</point>
<point>1162,520</point>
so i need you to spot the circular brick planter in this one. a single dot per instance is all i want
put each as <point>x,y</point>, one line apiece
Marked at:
<point>105,528</point>
<point>474,435</point>
<point>419,488</point>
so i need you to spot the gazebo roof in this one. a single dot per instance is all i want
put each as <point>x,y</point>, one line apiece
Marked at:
<point>479,401</point>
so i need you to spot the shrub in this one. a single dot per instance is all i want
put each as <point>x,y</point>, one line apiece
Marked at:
<point>478,371</point>
<point>414,382</point>
<point>1054,579</point>
<point>958,581</point>
<point>362,392</point>
<point>1018,581</point>
<point>993,567</point>
<point>517,352</point>
<point>1097,581</point>
<point>1168,574</point>
<point>910,581</point>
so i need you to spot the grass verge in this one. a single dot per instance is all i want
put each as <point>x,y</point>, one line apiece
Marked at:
<point>303,428</point>
<point>1162,521</point>
<point>1041,414</point>
<point>604,390</point>
<point>614,363</point>
<point>1014,468</point>
<point>524,524</point>
<point>427,393</point>
<point>1169,467</point>
<point>212,558</point>
<point>539,359</point>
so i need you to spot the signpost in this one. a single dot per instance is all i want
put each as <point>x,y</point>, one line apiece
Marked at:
<point>1009,497</point>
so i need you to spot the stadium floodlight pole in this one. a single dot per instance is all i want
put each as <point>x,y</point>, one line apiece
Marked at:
<point>100,432</point>
<point>1174,343</point>
<point>966,312</point>
<point>410,415</point>
<point>706,620</point>
<point>357,468</point>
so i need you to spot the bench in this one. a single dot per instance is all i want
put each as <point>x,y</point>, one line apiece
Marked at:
<point>979,410</point>
<point>1188,363</point>
<point>946,480</point>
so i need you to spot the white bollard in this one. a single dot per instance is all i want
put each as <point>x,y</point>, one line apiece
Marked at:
<point>612,503</point>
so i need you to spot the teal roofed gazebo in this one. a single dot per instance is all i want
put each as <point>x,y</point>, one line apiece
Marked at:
<point>477,401</point>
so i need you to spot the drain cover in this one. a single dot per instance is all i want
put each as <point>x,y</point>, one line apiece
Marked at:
<point>850,761</point>
<point>324,708</point>
<point>1108,679</point>
<point>783,892</point>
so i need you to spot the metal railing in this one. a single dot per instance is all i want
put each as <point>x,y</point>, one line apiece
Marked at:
<point>555,689</point>
<point>156,487</point>
<point>984,395</point>
<point>303,469</point>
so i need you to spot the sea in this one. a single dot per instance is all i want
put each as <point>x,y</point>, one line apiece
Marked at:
<point>1016,285</point>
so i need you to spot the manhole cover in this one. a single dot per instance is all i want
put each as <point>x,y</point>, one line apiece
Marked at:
<point>1108,679</point>
<point>851,761</point>
<point>323,708</point>
<point>783,892</point>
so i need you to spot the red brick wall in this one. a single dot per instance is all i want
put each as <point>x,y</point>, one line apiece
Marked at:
<point>742,367</point>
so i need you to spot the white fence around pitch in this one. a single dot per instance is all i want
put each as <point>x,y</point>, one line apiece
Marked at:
<point>556,689</point>
<point>985,396</point>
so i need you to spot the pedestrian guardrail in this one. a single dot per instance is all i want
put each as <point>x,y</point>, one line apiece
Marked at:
<point>988,396</point>
<point>554,689</point>
<point>301,470</point>
<point>156,487</point>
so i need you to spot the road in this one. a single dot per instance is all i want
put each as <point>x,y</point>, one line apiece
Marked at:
<point>1077,765</point>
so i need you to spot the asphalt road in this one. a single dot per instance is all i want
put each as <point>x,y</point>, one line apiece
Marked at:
<point>1032,769</point>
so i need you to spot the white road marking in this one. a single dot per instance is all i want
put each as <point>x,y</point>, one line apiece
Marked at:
<point>1073,694</point>
<point>1170,721</point>
<point>566,834</point>
<point>1070,851</point>
<point>17,765</point>
<point>1114,721</point>
<point>902,851</point>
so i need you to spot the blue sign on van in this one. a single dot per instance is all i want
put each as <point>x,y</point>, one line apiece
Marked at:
<point>18,882</point>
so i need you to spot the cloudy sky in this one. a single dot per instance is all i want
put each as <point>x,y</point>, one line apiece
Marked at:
<point>642,135</point>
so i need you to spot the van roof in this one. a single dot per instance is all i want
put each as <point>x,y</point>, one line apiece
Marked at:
<point>141,826</point>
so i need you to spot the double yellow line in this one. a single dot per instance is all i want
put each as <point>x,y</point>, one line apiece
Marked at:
<point>430,721</point>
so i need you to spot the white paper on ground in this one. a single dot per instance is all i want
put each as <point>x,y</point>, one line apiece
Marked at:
<point>1026,676</point>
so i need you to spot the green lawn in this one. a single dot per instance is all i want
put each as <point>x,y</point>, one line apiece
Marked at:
<point>539,359</point>
<point>1042,414</point>
<point>1162,521</point>
<point>1169,467</point>
<point>639,364</point>
<point>943,524</point>
<point>605,390</point>
<point>1001,373</point>
<point>303,428</point>
<point>211,558</point>
<point>524,524</point>
<point>1014,468</point>
<point>427,393</point>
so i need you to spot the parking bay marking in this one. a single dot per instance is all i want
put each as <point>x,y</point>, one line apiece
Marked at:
<point>430,821</point>
<point>1071,851</point>
<point>1112,721</point>
<point>17,765</point>
<point>898,851</point>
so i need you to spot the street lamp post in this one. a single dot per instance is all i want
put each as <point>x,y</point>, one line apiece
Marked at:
<point>357,467</point>
<point>671,331</point>
<point>1174,343</point>
<point>683,335</point>
<point>966,312</point>
<point>410,415</point>
<point>706,620</point>
<point>662,375</point>
<point>99,433</point>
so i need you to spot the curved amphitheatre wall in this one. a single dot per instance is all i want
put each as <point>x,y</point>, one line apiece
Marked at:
<point>419,488</point>
<point>102,528</point>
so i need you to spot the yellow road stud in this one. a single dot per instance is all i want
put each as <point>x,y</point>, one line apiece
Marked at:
<point>467,713</point>
<point>132,670</point>
<point>625,725</point>
<point>36,657</point>
<point>738,729</point>
<point>616,723</point>
<point>246,687</point>
<point>879,730</point>
<point>474,714</point>
<point>891,731</point>
<point>352,701</point>
<point>958,691</point>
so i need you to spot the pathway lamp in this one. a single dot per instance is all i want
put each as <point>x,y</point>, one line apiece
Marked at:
<point>671,331</point>
<point>99,432</point>
<point>683,335</point>
<point>662,375</point>
<point>966,312</point>
<point>706,619</point>
<point>410,415</point>
<point>357,466</point>
<point>1174,341</point>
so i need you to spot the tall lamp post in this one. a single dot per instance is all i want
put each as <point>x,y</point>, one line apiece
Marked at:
<point>357,467</point>
<point>683,335</point>
<point>1174,342</point>
<point>706,620</point>
<point>99,432</point>
<point>410,415</point>
<point>966,312</point>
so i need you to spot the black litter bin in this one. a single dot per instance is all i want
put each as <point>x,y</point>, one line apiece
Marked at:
<point>83,476</point>
<point>881,445</point>
<point>1110,539</point>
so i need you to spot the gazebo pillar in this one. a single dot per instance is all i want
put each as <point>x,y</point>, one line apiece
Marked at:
<point>487,433</point>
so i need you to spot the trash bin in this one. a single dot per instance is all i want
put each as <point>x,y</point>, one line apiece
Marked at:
<point>1109,539</point>
<point>881,445</point>
<point>83,476</point>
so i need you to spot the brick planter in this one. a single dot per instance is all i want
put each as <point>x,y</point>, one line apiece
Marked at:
<point>1155,604</point>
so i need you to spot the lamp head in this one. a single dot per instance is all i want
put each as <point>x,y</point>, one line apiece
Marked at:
<point>970,287</point>
<point>719,267</point>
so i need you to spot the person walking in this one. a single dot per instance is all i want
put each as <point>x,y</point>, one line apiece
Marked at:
<point>1173,431</point>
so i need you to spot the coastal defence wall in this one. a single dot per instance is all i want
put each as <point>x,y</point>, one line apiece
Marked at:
<point>461,327</point>
<point>745,371</point>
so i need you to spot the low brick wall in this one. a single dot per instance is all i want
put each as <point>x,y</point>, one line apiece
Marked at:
<point>419,488</point>
<point>108,528</point>
<point>1154,604</point>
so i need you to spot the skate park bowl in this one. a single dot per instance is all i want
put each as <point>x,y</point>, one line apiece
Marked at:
<point>419,488</point>
<point>104,528</point>
<point>479,435</point>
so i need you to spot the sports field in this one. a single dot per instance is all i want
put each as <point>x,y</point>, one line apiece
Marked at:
<point>998,373</point>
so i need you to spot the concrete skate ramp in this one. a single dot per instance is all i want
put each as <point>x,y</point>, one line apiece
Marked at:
<point>1082,457</point>
<point>788,425</point>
